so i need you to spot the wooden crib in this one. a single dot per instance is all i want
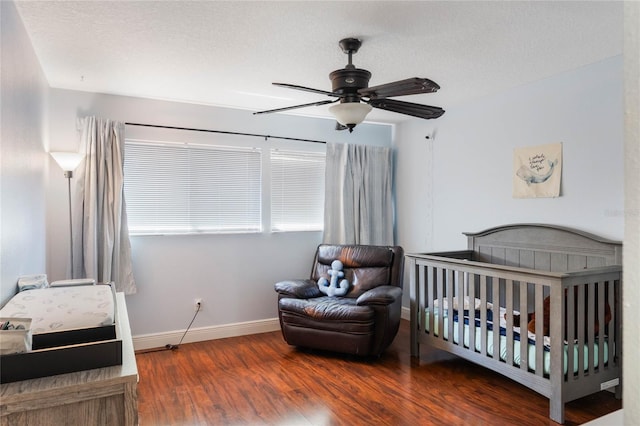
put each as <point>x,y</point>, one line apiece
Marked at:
<point>505,275</point>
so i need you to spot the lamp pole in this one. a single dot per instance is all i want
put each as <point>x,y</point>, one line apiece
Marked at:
<point>68,161</point>
<point>69,174</point>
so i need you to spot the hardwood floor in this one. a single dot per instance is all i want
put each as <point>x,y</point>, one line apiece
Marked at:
<point>260,380</point>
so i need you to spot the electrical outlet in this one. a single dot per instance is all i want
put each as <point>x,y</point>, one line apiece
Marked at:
<point>197,303</point>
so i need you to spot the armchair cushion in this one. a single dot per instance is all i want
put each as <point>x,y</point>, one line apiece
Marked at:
<point>303,289</point>
<point>365,267</point>
<point>336,314</point>
<point>383,295</point>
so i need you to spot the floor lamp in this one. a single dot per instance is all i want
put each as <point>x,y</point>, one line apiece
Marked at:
<point>68,161</point>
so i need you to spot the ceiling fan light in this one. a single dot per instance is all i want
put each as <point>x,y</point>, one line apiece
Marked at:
<point>350,113</point>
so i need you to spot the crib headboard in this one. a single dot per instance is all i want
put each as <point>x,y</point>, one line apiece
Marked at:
<point>543,247</point>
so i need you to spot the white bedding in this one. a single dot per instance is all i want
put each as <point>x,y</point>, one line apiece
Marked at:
<point>531,356</point>
<point>63,308</point>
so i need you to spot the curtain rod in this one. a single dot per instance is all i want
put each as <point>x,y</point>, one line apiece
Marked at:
<point>224,132</point>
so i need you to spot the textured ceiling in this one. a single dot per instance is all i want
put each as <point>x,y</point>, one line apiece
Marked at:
<point>227,53</point>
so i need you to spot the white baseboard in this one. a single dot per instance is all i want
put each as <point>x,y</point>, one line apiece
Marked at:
<point>406,313</point>
<point>158,340</point>
<point>200,334</point>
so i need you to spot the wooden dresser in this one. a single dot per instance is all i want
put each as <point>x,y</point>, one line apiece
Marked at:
<point>102,396</point>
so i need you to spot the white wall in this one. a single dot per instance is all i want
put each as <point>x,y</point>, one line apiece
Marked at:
<point>468,163</point>
<point>23,157</point>
<point>631,251</point>
<point>414,184</point>
<point>234,274</point>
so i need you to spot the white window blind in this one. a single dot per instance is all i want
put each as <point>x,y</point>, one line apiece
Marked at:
<point>297,190</point>
<point>182,188</point>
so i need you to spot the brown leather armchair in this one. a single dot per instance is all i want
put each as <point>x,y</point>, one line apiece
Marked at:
<point>362,322</point>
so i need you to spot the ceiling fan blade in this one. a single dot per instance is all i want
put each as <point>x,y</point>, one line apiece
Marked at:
<point>407,108</point>
<point>306,89</point>
<point>410,86</point>
<point>296,106</point>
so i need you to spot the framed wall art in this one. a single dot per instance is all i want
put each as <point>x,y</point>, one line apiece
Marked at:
<point>537,171</point>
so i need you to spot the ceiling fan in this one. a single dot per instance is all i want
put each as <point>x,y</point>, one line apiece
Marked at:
<point>350,87</point>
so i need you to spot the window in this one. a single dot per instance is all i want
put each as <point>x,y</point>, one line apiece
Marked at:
<point>297,190</point>
<point>184,188</point>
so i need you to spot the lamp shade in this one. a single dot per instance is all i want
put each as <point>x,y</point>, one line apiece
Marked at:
<point>350,113</point>
<point>68,161</point>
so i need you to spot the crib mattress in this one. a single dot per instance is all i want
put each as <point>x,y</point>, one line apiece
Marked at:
<point>531,348</point>
<point>63,308</point>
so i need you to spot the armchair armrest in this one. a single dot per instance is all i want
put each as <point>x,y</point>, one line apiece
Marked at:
<point>382,295</point>
<point>300,289</point>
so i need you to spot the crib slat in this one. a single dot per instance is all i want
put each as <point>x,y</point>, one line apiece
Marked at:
<point>441,297</point>
<point>472,314</point>
<point>526,259</point>
<point>595,261</point>
<point>542,261</point>
<point>590,324</point>
<point>509,328</point>
<point>498,255</point>
<point>570,334</point>
<point>539,296</point>
<point>612,329</point>
<point>559,262</point>
<point>416,319</point>
<point>601,323</point>
<point>429,302</point>
<point>512,257</point>
<point>420,289</point>
<point>483,314</point>
<point>417,273</point>
<point>459,292</point>
<point>580,319</point>
<point>449,295</point>
<point>577,262</point>
<point>524,338</point>
<point>495,287</point>
<point>484,254</point>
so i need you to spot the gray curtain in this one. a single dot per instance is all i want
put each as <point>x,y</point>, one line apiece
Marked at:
<point>358,200</point>
<point>101,237</point>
